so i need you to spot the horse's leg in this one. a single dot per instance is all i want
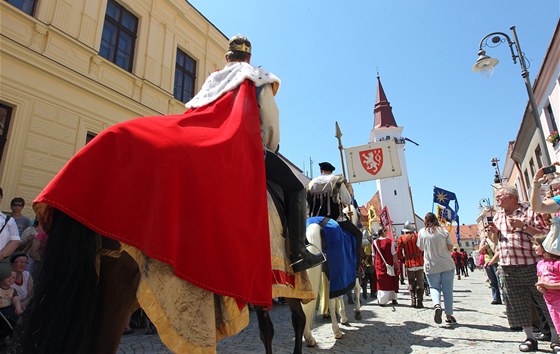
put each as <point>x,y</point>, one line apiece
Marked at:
<point>266,329</point>
<point>335,328</point>
<point>298,322</point>
<point>315,273</point>
<point>341,310</point>
<point>119,278</point>
<point>357,291</point>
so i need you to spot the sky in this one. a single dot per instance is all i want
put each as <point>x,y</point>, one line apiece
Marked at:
<point>328,53</point>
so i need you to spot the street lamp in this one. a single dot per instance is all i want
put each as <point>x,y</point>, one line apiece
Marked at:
<point>497,175</point>
<point>485,201</point>
<point>485,63</point>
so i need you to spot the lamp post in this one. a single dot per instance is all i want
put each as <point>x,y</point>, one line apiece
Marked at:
<point>497,175</point>
<point>485,63</point>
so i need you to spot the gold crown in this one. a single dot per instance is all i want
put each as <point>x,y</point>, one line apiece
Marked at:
<point>240,47</point>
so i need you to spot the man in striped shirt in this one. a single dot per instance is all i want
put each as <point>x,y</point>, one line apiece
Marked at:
<point>512,229</point>
<point>413,263</point>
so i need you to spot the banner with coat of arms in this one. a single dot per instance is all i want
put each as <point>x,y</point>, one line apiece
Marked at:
<point>373,161</point>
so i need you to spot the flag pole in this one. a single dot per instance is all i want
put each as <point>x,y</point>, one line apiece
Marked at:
<point>338,135</point>
<point>413,212</point>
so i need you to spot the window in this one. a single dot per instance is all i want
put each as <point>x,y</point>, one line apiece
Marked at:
<point>550,119</point>
<point>5,117</point>
<point>538,154</point>
<point>527,180</point>
<point>185,75</point>
<point>119,35</point>
<point>532,166</point>
<point>90,136</point>
<point>27,6</point>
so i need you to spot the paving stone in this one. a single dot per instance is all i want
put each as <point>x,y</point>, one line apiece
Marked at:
<point>481,328</point>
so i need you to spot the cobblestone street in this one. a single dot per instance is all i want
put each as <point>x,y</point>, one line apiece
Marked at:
<point>481,328</point>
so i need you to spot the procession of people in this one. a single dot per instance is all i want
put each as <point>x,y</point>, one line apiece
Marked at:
<point>520,246</point>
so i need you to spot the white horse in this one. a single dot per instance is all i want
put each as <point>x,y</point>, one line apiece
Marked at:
<point>319,282</point>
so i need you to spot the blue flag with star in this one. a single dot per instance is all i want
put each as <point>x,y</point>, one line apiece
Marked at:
<point>443,197</point>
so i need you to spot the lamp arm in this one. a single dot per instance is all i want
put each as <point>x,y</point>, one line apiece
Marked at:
<point>484,43</point>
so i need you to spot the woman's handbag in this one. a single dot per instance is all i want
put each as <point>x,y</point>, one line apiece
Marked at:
<point>390,268</point>
<point>550,243</point>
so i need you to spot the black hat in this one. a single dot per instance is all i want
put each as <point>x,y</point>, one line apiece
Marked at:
<point>326,166</point>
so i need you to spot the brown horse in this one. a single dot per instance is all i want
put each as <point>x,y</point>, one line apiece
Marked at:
<point>89,282</point>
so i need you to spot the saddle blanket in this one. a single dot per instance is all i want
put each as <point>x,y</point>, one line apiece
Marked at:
<point>339,247</point>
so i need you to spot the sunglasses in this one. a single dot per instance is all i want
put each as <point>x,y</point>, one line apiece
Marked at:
<point>17,205</point>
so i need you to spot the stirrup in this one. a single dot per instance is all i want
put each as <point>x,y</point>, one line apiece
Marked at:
<point>301,264</point>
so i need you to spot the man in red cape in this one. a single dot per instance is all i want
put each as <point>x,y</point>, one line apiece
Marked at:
<point>190,189</point>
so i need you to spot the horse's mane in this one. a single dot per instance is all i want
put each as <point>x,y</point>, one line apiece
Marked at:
<point>61,314</point>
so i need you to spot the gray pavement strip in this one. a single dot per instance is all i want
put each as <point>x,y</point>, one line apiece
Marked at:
<point>481,327</point>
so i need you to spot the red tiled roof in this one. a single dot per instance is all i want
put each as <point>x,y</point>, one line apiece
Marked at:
<point>467,232</point>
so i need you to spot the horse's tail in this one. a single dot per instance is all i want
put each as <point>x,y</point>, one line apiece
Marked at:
<point>61,315</point>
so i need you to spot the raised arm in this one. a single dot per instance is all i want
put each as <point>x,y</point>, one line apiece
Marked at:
<point>537,204</point>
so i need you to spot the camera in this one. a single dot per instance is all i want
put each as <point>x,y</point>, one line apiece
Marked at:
<point>549,169</point>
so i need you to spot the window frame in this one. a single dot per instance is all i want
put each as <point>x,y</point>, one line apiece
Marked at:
<point>4,133</point>
<point>110,50</point>
<point>181,70</point>
<point>20,6</point>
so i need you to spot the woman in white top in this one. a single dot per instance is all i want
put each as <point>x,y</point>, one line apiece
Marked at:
<point>439,267</point>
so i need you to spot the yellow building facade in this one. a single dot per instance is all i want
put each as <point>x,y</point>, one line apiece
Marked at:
<point>71,68</point>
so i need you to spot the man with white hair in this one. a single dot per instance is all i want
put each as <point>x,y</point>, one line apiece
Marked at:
<point>512,229</point>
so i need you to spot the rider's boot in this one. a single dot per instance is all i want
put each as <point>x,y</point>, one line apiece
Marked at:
<point>300,257</point>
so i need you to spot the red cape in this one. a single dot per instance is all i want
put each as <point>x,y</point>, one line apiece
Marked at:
<point>188,190</point>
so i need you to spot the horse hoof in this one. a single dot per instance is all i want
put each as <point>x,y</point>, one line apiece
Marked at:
<point>346,323</point>
<point>358,316</point>
<point>338,336</point>
<point>311,343</point>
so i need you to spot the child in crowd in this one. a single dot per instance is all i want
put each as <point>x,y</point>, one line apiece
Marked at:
<point>548,272</point>
<point>10,305</point>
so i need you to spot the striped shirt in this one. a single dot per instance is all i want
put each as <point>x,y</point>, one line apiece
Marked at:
<point>515,246</point>
<point>412,254</point>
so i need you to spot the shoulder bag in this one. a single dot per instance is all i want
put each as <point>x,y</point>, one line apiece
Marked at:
<point>390,268</point>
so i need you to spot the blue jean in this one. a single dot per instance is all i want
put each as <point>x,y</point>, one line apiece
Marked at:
<point>492,276</point>
<point>442,282</point>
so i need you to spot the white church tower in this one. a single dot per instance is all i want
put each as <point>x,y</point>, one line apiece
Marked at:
<point>394,192</point>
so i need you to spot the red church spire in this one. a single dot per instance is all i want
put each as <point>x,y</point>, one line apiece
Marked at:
<point>382,112</point>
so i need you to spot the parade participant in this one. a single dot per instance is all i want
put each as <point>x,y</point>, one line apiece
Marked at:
<point>385,258</point>
<point>458,259</point>
<point>238,66</point>
<point>436,244</point>
<point>204,165</point>
<point>327,195</point>
<point>512,228</point>
<point>413,263</point>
